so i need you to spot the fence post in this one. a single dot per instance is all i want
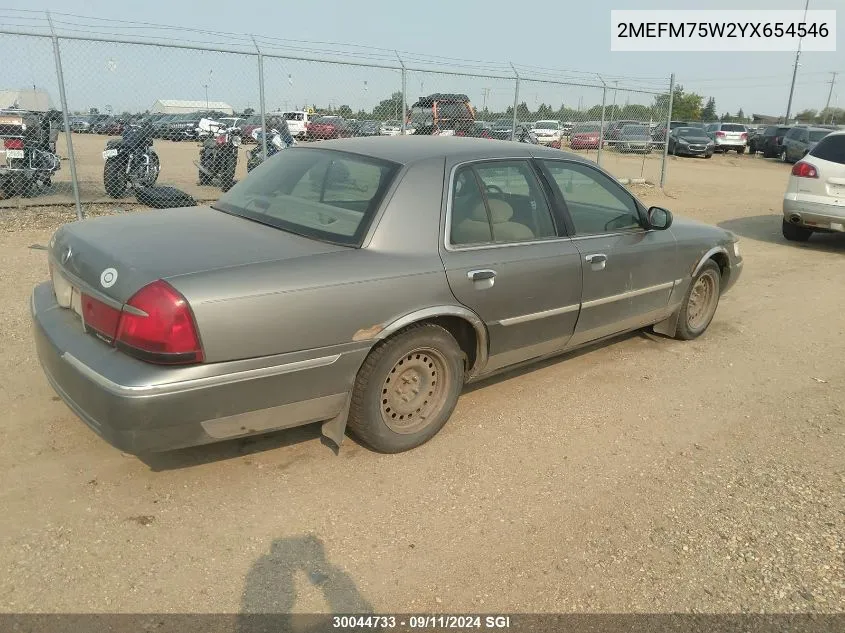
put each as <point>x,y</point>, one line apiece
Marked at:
<point>515,102</point>
<point>261,107</point>
<point>66,119</point>
<point>403,125</point>
<point>601,125</point>
<point>668,122</point>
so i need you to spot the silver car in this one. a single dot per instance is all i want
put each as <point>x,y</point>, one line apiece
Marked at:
<point>360,283</point>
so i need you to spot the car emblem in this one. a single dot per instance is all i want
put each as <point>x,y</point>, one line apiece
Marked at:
<point>67,255</point>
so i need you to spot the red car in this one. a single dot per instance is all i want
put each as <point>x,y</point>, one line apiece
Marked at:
<point>326,127</point>
<point>585,137</point>
<point>248,126</point>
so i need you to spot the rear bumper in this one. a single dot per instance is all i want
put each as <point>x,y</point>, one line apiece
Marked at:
<point>154,412</point>
<point>813,215</point>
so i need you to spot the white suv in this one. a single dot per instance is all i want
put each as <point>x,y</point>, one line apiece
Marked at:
<point>815,197</point>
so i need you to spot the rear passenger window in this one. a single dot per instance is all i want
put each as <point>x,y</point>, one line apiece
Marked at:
<point>498,202</point>
<point>831,148</point>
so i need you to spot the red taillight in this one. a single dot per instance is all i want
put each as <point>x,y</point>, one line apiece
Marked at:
<point>221,139</point>
<point>13,143</point>
<point>744,136</point>
<point>720,134</point>
<point>100,317</point>
<point>167,333</point>
<point>804,170</point>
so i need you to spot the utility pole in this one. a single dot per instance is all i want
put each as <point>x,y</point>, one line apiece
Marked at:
<point>795,71</point>
<point>485,93</point>
<point>613,107</point>
<point>829,95</point>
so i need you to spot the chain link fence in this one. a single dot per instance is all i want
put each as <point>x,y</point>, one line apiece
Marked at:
<point>92,118</point>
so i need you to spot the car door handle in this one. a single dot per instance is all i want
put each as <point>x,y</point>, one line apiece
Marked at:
<point>481,275</point>
<point>597,261</point>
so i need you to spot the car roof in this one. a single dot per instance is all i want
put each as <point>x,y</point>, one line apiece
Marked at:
<point>410,149</point>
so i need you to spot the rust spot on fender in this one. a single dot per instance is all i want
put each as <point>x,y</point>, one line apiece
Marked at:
<point>366,334</point>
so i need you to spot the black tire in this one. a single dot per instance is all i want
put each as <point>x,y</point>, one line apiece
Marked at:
<point>205,161</point>
<point>740,150</point>
<point>784,158</point>
<point>794,232</point>
<point>694,319</point>
<point>114,178</point>
<point>155,170</point>
<point>227,174</point>
<point>708,156</point>
<point>425,348</point>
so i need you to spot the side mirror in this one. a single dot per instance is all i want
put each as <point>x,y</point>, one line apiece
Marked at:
<point>659,218</point>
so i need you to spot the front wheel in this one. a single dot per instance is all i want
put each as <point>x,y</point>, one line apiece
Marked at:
<point>227,173</point>
<point>114,178</point>
<point>795,232</point>
<point>784,158</point>
<point>407,389</point>
<point>700,303</point>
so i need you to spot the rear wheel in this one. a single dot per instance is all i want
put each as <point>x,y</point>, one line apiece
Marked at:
<point>795,232</point>
<point>783,157</point>
<point>227,175</point>
<point>700,303</point>
<point>407,389</point>
<point>114,178</point>
<point>740,150</point>
<point>205,161</point>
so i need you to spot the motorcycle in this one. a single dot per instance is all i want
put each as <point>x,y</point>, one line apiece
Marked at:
<point>28,156</point>
<point>255,158</point>
<point>218,153</point>
<point>130,161</point>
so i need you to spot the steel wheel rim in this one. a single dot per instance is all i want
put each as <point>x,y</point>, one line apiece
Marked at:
<point>414,390</point>
<point>702,301</point>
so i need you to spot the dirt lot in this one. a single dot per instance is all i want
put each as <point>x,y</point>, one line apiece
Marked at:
<point>645,474</point>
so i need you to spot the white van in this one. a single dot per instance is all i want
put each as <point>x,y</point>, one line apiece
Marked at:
<point>297,121</point>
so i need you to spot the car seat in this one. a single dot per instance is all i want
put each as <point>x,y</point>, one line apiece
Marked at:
<point>476,228</point>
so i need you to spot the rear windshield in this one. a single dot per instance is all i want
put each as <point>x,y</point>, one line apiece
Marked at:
<point>817,135</point>
<point>294,116</point>
<point>635,130</point>
<point>831,148</point>
<point>322,194</point>
<point>547,125</point>
<point>326,120</point>
<point>732,127</point>
<point>585,129</point>
<point>691,131</point>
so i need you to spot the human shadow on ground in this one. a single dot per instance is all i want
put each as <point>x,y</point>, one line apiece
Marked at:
<point>269,594</point>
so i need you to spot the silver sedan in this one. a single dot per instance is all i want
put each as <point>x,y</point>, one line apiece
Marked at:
<point>359,284</point>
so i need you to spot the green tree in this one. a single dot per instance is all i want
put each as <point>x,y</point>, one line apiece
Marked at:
<point>390,108</point>
<point>740,116</point>
<point>726,117</point>
<point>249,111</point>
<point>345,111</point>
<point>709,111</point>
<point>685,106</point>
<point>807,116</point>
<point>522,112</point>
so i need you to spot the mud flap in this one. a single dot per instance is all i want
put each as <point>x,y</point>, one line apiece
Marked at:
<point>668,327</point>
<point>335,429</point>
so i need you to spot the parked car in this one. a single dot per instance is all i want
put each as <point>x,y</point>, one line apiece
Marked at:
<point>815,196</point>
<point>160,126</point>
<point>659,135</point>
<point>728,136</point>
<point>249,125</point>
<point>585,136</point>
<point>502,129</point>
<point>297,121</point>
<point>391,128</point>
<point>614,130</point>
<point>111,126</point>
<point>441,114</point>
<point>390,305</point>
<point>690,141</point>
<point>185,127</point>
<point>799,140</point>
<point>634,137</point>
<point>80,124</point>
<point>769,141</point>
<point>547,132</point>
<point>328,127</point>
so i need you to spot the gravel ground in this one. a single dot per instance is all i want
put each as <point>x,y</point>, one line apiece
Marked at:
<point>645,475</point>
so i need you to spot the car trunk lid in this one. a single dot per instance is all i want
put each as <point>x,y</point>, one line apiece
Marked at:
<point>114,257</point>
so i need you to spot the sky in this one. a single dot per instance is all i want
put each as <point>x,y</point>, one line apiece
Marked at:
<point>470,37</point>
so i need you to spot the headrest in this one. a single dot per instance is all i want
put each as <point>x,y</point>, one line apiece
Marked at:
<point>500,211</point>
